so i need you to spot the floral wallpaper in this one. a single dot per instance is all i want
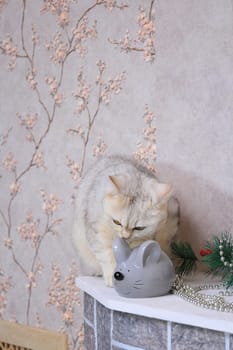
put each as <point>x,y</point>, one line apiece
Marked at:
<point>67,81</point>
<point>81,78</point>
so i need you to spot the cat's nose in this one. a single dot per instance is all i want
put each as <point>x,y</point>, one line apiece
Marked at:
<point>119,276</point>
<point>126,234</point>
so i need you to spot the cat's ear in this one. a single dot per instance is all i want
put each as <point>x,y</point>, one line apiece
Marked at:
<point>159,192</point>
<point>163,191</point>
<point>148,250</point>
<point>119,182</point>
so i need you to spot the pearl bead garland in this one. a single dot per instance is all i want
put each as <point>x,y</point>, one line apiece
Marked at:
<point>207,301</point>
<point>221,253</point>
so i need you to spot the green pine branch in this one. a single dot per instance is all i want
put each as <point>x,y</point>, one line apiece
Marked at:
<point>218,258</point>
<point>184,256</point>
<point>228,280</point>
<point>221,265</point>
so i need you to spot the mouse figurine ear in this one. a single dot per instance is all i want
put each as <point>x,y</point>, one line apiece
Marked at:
<point>148,250</point>
<point>121,250</point>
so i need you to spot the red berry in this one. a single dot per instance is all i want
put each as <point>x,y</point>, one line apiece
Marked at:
<point>204,252</point>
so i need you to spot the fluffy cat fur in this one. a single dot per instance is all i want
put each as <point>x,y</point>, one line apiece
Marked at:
<point>119,197</point>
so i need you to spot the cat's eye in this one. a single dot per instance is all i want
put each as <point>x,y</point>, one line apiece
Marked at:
<point>116,222</point>
<point>139,228</point>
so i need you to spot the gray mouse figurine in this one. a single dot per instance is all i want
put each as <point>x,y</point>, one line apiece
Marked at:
<point>143,272</point>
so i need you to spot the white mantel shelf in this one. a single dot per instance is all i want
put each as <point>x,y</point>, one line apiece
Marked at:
<point>168,308</point>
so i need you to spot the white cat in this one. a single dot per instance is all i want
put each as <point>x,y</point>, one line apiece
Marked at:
<point>119,197</point>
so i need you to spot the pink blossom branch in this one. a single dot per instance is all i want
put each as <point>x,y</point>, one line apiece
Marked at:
<point>49,117</point>
<point>4,138</point>
<point>5,285</point>
<point>22,34</point>
<point>86,138</point>
<point>146,151</point>
<point>91,121</point>
<point>104,95</point>
<point>47,230</point>
<point>65,297</point>
<point>84,15</point>
<point>8,220</point>
<point>145,36</point>
<point>17,55</point>
<point>31,61</point>
<point>9,216</point>
<point>126,48</point>
<point>16,261</point>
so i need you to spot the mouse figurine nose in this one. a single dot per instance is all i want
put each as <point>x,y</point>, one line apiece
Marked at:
<point>119,276</point>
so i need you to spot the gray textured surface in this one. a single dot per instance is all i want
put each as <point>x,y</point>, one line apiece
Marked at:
<point>103,316</point>
<point>194,338</point>
<point>146,333</point>
<point>89,338</point>
<point>139,331</point>
<point>89,307</point>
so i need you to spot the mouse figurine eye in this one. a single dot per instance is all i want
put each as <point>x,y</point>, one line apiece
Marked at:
<point>116,222</point>
<point>139,228</point>
<point>119,276</point>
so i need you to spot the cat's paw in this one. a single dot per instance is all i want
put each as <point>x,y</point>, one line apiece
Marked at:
<point>108,273</point>
<point>108,281</point>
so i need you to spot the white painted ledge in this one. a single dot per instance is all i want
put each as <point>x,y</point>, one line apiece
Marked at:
<point>168,308</point>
